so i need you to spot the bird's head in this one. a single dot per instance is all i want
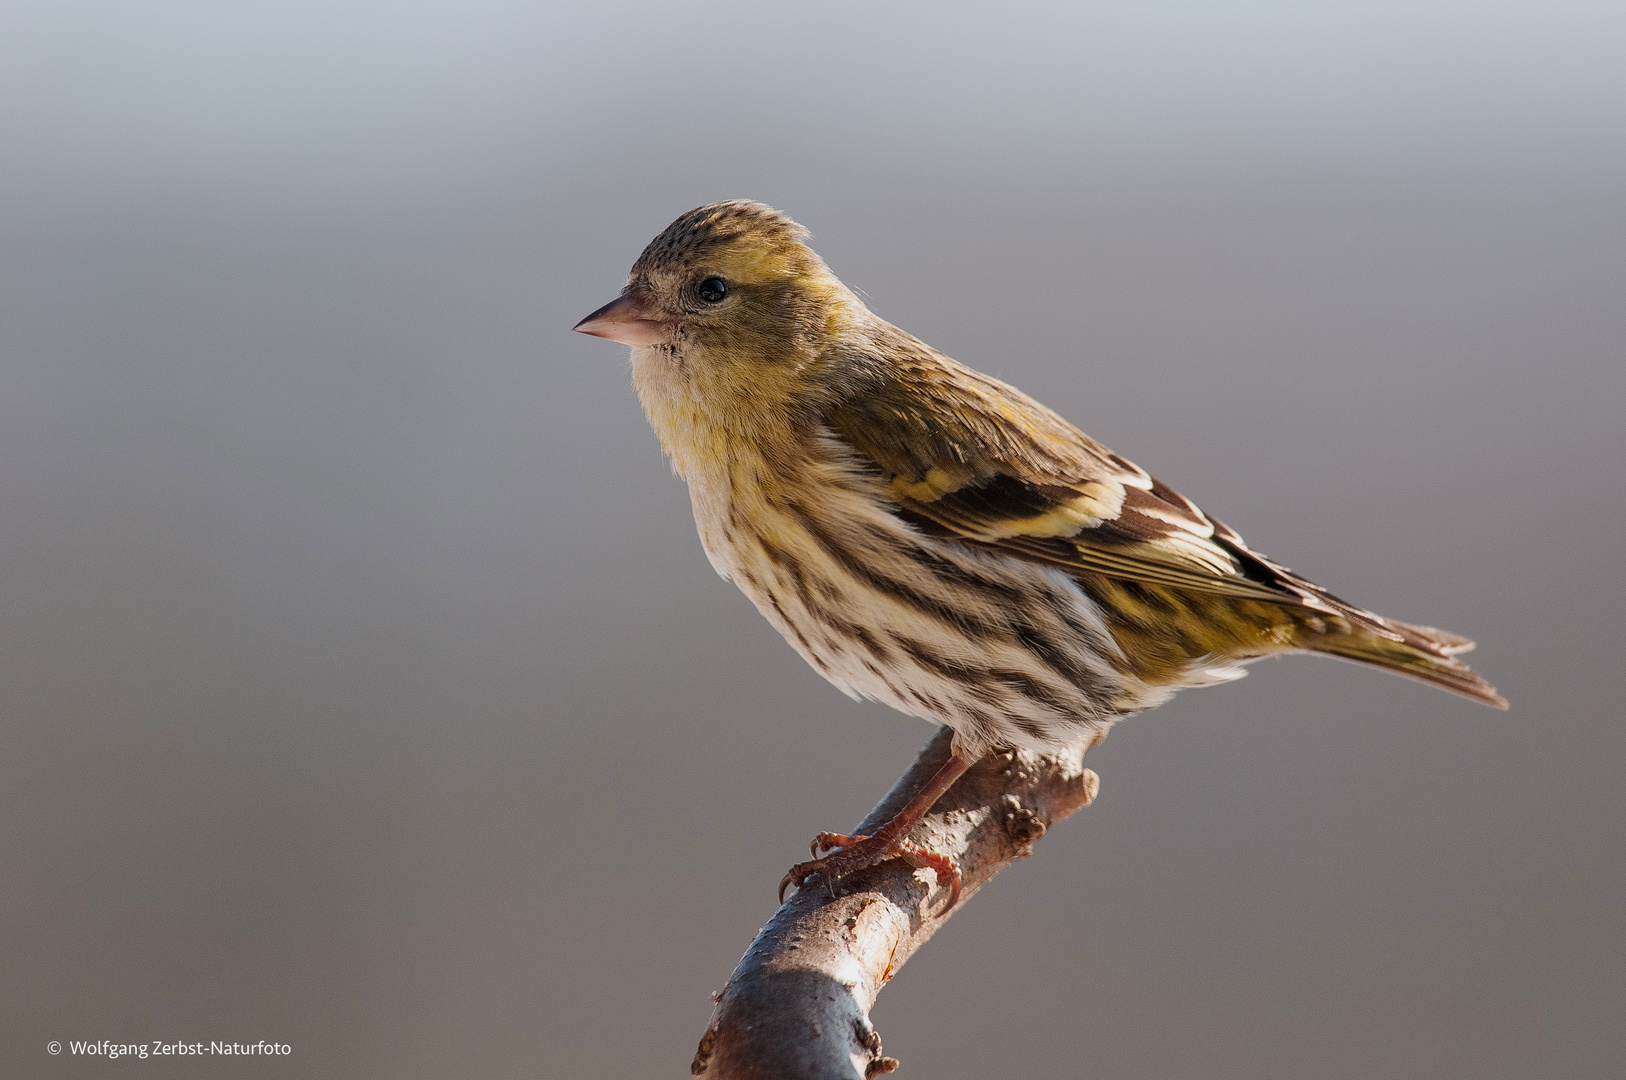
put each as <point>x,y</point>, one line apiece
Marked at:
<point>732,283</point>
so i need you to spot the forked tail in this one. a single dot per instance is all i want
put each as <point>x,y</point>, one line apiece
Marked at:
<point>1422,653</point>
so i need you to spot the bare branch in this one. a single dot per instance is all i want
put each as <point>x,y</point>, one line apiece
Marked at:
<point>797,1006</point>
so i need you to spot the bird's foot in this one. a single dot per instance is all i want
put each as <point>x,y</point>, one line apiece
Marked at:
<point>832,841</point>
<point>849,854</point>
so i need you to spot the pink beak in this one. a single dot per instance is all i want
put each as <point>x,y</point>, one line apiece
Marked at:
<point>625,320</point>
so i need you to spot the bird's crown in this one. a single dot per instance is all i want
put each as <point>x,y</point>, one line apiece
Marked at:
<point>754,242</point>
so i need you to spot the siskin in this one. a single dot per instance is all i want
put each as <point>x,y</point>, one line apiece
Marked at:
<point>932,538</point>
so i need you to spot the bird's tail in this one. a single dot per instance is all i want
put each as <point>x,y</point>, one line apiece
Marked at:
<point>1422,653</point>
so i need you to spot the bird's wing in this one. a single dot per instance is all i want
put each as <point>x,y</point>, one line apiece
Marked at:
<point>967,456</point>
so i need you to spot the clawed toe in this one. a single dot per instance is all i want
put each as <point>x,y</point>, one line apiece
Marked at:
<point>832,842</point>
<point>799,874</point>
<point>849,854</point>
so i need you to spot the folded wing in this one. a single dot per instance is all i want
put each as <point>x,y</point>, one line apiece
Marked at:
<point>970,457</point>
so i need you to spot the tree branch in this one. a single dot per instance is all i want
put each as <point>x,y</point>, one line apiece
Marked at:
<point>797,1006</point>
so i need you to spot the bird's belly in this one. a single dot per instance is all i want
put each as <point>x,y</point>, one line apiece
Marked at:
<point>1003,651</point>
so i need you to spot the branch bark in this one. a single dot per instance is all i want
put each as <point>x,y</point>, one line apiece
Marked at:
<point>797,1006</point>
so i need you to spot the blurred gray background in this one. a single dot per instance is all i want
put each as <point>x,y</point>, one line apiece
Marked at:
<point>363,686</point>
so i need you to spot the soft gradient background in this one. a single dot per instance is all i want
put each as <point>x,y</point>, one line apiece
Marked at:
<point>364,687</point>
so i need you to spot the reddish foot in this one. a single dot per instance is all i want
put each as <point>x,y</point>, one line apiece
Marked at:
<point>856,852</point>
<point>853,853</point>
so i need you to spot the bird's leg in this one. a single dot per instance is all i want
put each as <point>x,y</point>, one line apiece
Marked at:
<point>853,853</point>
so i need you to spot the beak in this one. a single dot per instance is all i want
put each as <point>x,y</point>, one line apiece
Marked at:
<point>626,320</point>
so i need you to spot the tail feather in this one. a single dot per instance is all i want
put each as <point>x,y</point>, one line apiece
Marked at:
<point>1423,653</point>
<point>1434,639</point>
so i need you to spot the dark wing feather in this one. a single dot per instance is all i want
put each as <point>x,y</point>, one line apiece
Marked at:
<point>968,456</point>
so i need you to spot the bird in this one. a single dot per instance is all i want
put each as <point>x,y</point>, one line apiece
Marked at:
<point>927,536</point>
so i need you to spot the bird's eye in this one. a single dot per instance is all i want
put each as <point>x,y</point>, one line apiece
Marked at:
<point>713,289</point>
